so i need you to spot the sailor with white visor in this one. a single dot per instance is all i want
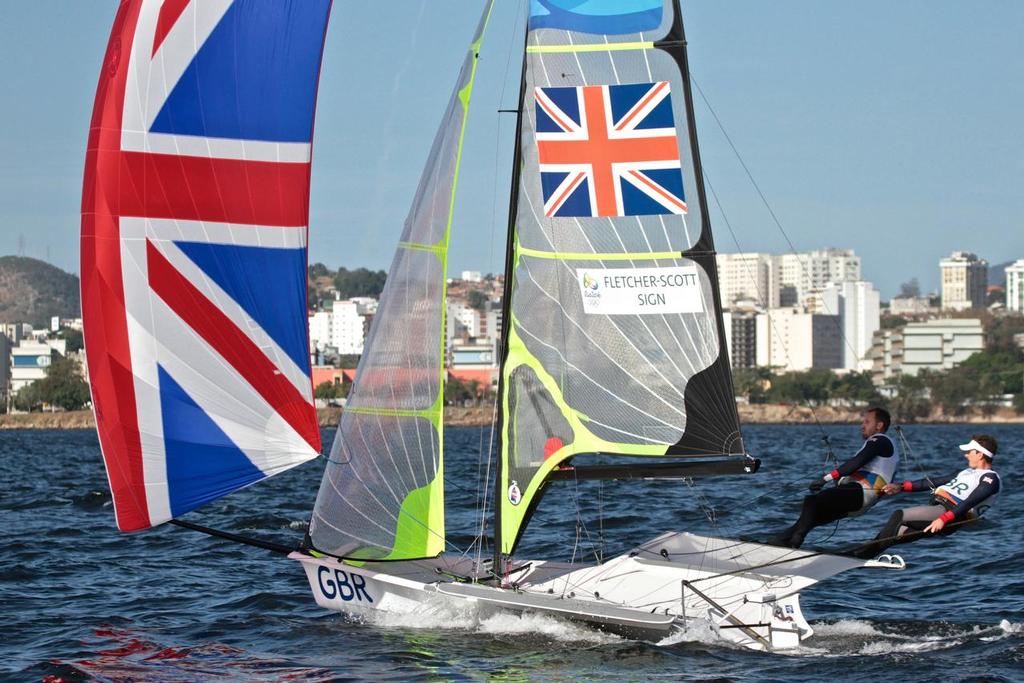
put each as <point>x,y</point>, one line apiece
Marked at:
<point>966,495</point>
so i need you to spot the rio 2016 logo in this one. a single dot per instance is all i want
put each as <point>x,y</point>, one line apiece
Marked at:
<point>589,282</point>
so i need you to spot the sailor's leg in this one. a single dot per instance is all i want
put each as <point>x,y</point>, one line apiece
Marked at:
<point>885,538</point>
<point>917,519</point>
<point>827,506</point>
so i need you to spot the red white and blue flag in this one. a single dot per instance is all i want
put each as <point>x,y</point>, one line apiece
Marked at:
<point>194,230</point>
<point>608,150</point>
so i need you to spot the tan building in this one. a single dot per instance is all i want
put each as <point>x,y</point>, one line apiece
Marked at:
<point>964,281</point>
<point>748,277</point>
<point>931,345</point>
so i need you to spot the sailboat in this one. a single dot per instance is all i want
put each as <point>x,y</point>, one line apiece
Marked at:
<point>613,360</point>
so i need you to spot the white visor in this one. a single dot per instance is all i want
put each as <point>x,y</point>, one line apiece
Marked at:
<point>975,446</point>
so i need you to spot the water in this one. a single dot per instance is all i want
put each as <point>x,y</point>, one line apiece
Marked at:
<point>83,602</point>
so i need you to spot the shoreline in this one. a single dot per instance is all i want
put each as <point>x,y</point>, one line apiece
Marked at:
<point>760,414</point>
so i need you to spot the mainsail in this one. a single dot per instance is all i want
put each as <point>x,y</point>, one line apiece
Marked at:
<point>382,494</point>
<point>194,228</point>
<point>613,340</point>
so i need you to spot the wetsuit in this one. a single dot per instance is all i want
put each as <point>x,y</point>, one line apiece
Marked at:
<point>860,478</point>
<point>966,495</point>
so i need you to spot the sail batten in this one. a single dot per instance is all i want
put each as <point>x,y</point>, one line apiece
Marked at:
<point>613,340</point>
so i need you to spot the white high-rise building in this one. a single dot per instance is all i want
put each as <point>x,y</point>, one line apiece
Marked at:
<point>342,327</point>
<point>748,277</point>
<point>319,330</point>
<point>964,281</point>
<point>802,341</point>
<point>347,328</point>
<point>804,273</point>
<point>1015,287</point>
<point>858,306</point>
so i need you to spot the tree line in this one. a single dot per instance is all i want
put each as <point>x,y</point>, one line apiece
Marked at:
<point>348,283</point>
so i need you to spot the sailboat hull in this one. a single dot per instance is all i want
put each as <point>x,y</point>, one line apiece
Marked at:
<point>746,593</point>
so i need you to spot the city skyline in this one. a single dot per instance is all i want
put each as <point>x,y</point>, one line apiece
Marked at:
<point>889,140</point>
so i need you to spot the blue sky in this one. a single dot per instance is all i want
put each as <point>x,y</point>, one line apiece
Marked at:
<point>891,127</point>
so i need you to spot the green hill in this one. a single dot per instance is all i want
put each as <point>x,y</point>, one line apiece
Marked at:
<point>33,291</point>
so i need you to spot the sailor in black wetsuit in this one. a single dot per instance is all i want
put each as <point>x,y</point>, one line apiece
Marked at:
<point>967,495</point>
<point>861,480</point>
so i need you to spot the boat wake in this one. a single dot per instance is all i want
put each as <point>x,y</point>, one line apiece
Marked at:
<point>441,614</point>
<point>861,637</point>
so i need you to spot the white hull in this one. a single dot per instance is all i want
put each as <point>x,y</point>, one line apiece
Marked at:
<point>747,592</point>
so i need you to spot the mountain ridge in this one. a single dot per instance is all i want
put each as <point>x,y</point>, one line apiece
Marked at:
<point>33,291</point>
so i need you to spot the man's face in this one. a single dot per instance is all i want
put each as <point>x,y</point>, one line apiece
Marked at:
<point>975,458</point>
<point>869,425</point>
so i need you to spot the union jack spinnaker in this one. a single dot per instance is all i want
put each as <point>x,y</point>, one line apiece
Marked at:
<point>195,209</point>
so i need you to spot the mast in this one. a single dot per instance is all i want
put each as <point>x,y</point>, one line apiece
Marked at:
<point>704,251</point>
<point>506,298</point>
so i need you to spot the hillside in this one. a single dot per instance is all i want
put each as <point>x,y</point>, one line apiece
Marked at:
<point>34,291</point>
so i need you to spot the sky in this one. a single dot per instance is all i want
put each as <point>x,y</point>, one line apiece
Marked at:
<point>890,127</point>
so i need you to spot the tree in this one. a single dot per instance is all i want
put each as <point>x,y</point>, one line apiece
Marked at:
<point>1000,371</point>
<point>477,299</point>
<point>318,270</point>
<point>27,398</point>
<point>753,383</point>
<point>329,390</point>
<point>910,288</point>
<point>457,391</point>
<point>952,389</point>
<point>1000,332</point>
<point>72,338</point>
<point>811,386</point>
<point>856,387</point>
<point>359,282</point>
<point>348,361</point>
<point>63,385</point>
<point>910,401</point>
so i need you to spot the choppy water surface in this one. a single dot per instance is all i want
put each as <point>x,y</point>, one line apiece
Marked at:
<point>83,602</point>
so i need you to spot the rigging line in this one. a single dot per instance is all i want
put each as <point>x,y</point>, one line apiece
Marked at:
<point>909,456</point>
<point>279,548</point>
<point>905,538</point>
<point>764,200</point>
<point>579,517</point>
<point>762,295</point>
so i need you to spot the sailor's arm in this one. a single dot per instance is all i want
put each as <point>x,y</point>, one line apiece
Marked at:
<point>875,447</point>
<point>984,490</point>
<point>908,486</point>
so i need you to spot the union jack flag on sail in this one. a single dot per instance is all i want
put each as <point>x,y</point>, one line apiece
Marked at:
<point>608,150</point>
<point>194,229</point>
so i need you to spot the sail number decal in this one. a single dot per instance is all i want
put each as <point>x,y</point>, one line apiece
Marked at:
<point>638,291</point>
<point>347,586</point>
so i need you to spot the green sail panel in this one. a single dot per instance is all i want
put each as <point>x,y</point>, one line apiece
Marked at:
<point>615,343</point>
<point>382,493</point>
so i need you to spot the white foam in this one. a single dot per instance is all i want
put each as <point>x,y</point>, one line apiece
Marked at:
<point>696,631</point>
<point>441,614</point>
<point>848,627</point>
<point>928,644</point>
<point>549,627</point>
<point>1010,627</point>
